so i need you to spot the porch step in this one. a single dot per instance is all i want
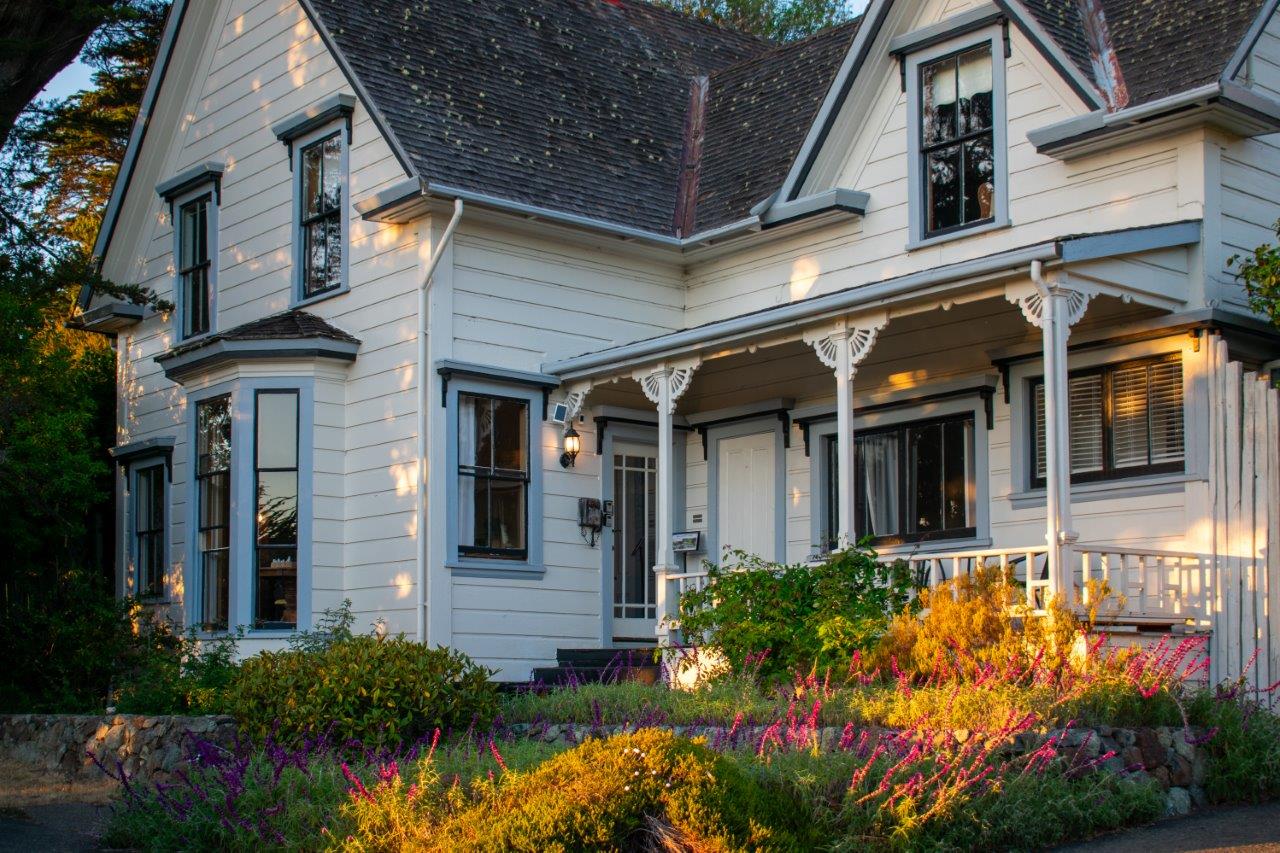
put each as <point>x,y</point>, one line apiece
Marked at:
<point>594,666</point>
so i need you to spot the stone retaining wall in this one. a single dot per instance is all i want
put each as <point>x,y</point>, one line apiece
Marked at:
<point>1171,756</point>
<point>148,748</point>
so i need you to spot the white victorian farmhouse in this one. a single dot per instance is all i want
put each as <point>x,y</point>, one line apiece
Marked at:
<point>482,308</point>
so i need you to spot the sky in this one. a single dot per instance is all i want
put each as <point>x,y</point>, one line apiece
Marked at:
<point>69,80</point>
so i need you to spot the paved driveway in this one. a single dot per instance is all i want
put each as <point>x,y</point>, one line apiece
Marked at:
<point>1238,828</point>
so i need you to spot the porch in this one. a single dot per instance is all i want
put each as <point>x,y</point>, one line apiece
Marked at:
<point>778,438</point>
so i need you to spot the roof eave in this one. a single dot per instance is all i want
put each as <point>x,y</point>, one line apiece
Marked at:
<point>1225,105</point>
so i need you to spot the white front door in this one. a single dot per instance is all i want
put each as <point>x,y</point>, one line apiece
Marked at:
<point>746,481</point>
<point>635,515</point>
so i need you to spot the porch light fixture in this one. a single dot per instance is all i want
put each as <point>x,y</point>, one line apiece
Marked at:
<point>572,444</point>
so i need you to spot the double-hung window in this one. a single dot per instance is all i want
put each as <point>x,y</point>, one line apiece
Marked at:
<point>194,264</point>
<point>912,482</point>
<point>213,510</point>
<point>149,510</point>
<point>957,136</point>
<point>1125,420</point>
<point>493,477</point>
<point>321,185</point>
<point>276,502</point>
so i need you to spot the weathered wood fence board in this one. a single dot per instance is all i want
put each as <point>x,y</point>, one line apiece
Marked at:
<point>1244,472</point>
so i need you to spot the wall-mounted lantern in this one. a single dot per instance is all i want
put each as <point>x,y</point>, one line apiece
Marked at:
<point>572,444</point>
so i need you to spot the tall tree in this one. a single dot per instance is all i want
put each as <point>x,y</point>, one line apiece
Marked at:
<point>780,20</point>
<point>63,155</point>
<point>38,38</point>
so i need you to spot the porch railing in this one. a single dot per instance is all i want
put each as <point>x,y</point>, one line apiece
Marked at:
<point>1142,582</point>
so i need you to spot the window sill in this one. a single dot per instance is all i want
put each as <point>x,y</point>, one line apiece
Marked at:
<point>270,633</point>
<point>480,568</point>
<point>1109,489</point>
<point>912,549</point>
<point>320,297</point>
<point>926,242</point>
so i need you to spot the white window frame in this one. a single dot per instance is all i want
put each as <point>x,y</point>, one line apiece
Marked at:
<point>211,224</point>
<point>917,212</point>
<point>483,566</point>
<point>819,472</point>
<point>242,534</point>
<point>337,128</point>
<point>136,466</point>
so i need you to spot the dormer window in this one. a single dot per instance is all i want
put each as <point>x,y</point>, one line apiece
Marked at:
<point>957,135</point>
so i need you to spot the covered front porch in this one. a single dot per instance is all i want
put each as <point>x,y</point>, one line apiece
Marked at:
<point>929,420</point>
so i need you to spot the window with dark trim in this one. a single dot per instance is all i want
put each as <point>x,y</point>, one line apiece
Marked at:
<point>321,215</point>
<point>275,453</point>
<point>493,476</point>
<point>149,505</point>
<point>1125,419</point>
<point>957,140</point>
<point>213,508</point>
<point>193,266</point>
<point>913,482</point>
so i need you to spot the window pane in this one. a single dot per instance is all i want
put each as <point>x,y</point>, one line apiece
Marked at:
<point>957,438</point>
<point>276,593</point>
<point>938,87</point>
<point>195,301</point>
<point>278,507</point>
<point>510,435</point>
<point>213,435</point>
<point>277,430</point>
<point>877,484</point>
<point>315,256</point>
<point>1086,416</point>
<point>943,170</point>
<point>975,90</point>
<point>506,514</point>
<point>1166,412</point>
<point>331,273</point>
<point>979,179</point>
<point>1129,412</point>
<point>925,469</point>
<point>214,589</point>
<point>312,180</point>
<point>331,187</point>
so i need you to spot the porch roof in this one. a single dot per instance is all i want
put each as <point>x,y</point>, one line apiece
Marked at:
<point>935,282</point>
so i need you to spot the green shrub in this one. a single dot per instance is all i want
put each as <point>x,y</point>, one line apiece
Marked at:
<point>608,794</point>
<point>178,673</point>
<point>796,617</point>
<point>378,691</point>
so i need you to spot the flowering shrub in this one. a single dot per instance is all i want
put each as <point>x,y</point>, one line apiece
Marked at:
<point>783,618</point>
<point>377,691</point>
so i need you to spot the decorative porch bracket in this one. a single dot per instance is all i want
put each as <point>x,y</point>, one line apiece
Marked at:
<point>1053,308</point>
<point>664,384</point>
<point>574,399</point>
<point>842,348</point>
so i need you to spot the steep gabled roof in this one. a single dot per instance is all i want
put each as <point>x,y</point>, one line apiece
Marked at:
<point>576,105</point>
<point>757,114</point>
<point>1171,46</point>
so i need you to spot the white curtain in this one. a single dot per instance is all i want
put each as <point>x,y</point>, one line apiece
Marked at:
<point>466,456</point>
<point>880,473</point>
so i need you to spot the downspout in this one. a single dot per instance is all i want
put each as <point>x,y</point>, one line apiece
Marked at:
<point>424,364</point>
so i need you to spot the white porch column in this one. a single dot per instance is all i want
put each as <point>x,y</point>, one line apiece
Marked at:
<point>1054,309</point>
<point>842,348</point>
<point>664,384</point>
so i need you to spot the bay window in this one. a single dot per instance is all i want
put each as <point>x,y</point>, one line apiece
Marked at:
<point>276,503</point>
<point>213,510</point>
